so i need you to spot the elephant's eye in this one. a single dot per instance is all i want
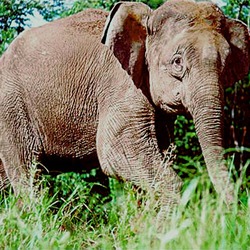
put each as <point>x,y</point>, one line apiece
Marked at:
<point>177,63</point>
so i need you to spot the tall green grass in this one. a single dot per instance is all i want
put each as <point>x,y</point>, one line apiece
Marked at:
<point>126,219</point>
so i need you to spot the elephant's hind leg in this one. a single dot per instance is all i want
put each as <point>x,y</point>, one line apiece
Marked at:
<point>17,152</point>
<point>13,168</point>
<point>3,177</point>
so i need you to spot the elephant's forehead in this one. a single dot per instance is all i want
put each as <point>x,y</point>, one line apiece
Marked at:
<point>188,13</point>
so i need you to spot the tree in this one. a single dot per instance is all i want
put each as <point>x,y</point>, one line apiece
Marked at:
<point>238,9</point>
<point>15,16</point>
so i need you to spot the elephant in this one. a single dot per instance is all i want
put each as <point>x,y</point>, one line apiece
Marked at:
<point>64,96</point>
<point>182,56</point>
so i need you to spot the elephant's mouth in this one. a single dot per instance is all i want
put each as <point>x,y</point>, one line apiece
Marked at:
<point>172,108</point>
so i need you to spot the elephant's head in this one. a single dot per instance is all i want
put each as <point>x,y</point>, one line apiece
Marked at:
<point>189,52</point>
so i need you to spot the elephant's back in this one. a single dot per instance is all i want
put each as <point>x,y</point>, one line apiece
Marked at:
<point>91,21</point>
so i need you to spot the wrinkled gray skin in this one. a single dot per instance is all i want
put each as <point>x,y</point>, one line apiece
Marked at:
<point>64,95</point>
<point>185,53</point>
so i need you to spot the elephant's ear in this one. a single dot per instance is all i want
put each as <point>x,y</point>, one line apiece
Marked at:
<point>239,40</point>
<point>125,34</point>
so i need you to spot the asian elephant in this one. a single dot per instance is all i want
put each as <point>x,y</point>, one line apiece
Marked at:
<point>64,95</point>
<point>181,56</point>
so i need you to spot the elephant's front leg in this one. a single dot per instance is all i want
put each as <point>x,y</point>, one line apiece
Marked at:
<point>127,148</point>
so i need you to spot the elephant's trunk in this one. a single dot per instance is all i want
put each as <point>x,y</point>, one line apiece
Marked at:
<point>207,112</point>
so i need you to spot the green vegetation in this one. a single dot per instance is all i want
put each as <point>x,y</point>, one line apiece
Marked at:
<point>71,213</point>
<point>81,219</point>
